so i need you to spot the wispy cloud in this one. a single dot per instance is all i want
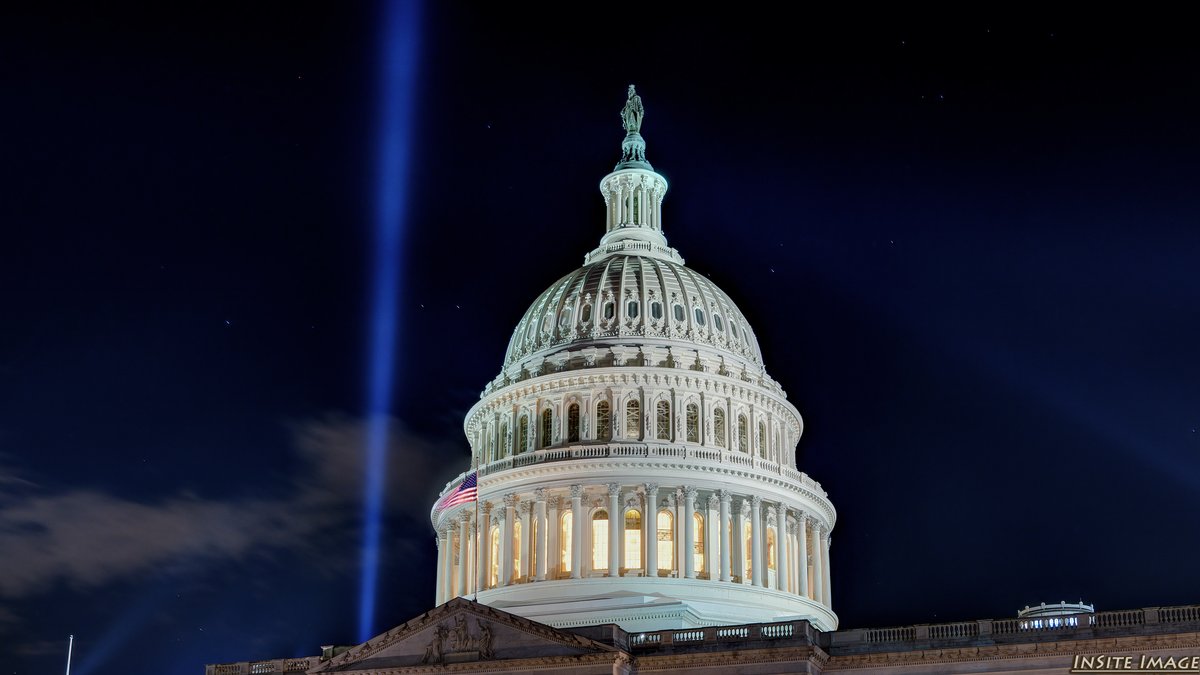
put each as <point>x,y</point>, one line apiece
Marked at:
<point>87,537</point>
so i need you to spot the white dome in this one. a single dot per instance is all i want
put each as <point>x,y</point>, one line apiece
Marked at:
<point>634,298</point>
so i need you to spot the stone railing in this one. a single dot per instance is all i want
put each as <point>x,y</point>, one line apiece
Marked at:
<point>298,665</point>
<point>721,634</point>
<point>983,631</point>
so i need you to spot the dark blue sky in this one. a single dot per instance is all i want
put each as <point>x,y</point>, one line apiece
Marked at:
<point>969,250</point>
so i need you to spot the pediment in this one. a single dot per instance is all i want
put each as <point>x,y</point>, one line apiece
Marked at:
<point>462,631</point>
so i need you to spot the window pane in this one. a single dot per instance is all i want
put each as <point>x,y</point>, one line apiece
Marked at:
<point>633,539</point>
<point>663,425</point>
<point>609,311</point>
<point>699,317</point>
<point>564,542</point>
<point>585,314</point>
<point>633,419</point>
<point>602,421</point>
<point>631,309</point>
<point>678,309</point>
<point>573,423</point>
<point>600,540</point>
<point>717,322</point>
<point>719,427</point>
<point>656,310</point>
<point>666,541</point>
<point>693,423</point>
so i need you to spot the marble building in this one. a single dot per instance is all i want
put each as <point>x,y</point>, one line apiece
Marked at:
<point>633,504</point>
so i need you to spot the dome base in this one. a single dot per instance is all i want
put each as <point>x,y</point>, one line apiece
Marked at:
<point>648,604</point>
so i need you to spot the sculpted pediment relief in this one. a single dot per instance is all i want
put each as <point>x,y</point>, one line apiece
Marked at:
<point>462,631</point>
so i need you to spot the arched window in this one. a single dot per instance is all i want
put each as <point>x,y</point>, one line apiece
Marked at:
<point>770,549</point>
<point>585,313</point>
<point>678,311</point>
<point>631,309</point>
<point>762,439</point>
<point>633,419</point>
<point>656,310</point>
<point>494,557</point>
<point>516,547</point>
<point>719,427</point>
<point>523,434</point>
<point>610,311</point>
<point>662,427</point>
<point>698,543</point>
<point>600,540</point>
<point>743,434</point>
<point>666,541</point>
<point>573,423</point>
<point>633,539</point>
<point>547,427</point>
<point>693,423</point>
<point>564,540</point>
<point>699,317</point>
<point>505,440</point>
<point>603,421</point>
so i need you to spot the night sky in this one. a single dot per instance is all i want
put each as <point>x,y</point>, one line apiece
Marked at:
<point>970,251</point>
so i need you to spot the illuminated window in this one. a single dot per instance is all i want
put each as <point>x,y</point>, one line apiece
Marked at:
<point>516,547</point>
<point>603,421</point>
<point>547,427</point>
<point>633,539</point>
<point>494,557</point>
<point>663,421</point>
<point>600,540</point>
<point>693,423</point>
<point>743,434</point>
<point>698,542</point>
<point>770,549</point>
<point>564,540</point>
<point>719,427</point>
<point>523,435</point>
<point>633,419</point>
<point>678,311</point>
<point>762,439</point>
<point>631,309</point>
<point>666,541</point>
<point>748,559</point>
<point>573,423</point>
<point>656,310</point>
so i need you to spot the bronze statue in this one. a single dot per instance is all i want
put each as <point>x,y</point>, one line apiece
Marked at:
<point>632,113</point>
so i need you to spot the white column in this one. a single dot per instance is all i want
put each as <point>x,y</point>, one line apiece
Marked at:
<point>464,536</point>
<point>689,532</point>
<point>818,580</point>
<point>526,540</point>
<point>726,498</point>
<point>576,530</point>
<point>442,543</point>
<point>828,587</point>
<point>614,529</point>
<point>677,542</point>
<point>650,520</point>
<point>759,578</point>
<point>739,543</point>
<point>553,532</point>
<point>802,552</point>
<point>781,544</point>
<point>539,515</point>
<point>482,548</point>
<point>506,539</point>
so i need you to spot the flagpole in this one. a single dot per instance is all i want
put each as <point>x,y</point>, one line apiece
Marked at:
<point>482,537</point>
<point>70,645</point>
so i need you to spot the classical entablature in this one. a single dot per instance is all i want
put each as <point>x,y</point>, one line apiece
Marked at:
<point>633,461</point>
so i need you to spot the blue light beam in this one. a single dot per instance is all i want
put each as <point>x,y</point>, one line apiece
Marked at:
<point>399,33</point>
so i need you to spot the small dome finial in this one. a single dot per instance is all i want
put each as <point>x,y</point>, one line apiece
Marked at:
<point>633,148</point>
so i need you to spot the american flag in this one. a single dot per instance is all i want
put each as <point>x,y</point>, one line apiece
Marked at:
<point>465,492</point>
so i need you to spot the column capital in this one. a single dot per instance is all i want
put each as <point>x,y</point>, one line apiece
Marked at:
<point>791,527</point>
<point>510,500</point>
<point>671,499</point>
<point>465,517</point>
<point>756,501</point>
<point>726,496</point>
<point>745,509</point>
<point>485,507</point>
<point>576,491</point>
<point>614,489</point>
<point>539,495</point>
<point>651,488</point>
<point>555,502</point>
<point>713,502</point>
<point>689,493</point>
<point>524,508</point>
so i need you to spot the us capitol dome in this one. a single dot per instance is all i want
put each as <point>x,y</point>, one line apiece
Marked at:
<point>632,462</point>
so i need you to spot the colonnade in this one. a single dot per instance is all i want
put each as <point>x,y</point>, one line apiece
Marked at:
<point>604,531</point>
